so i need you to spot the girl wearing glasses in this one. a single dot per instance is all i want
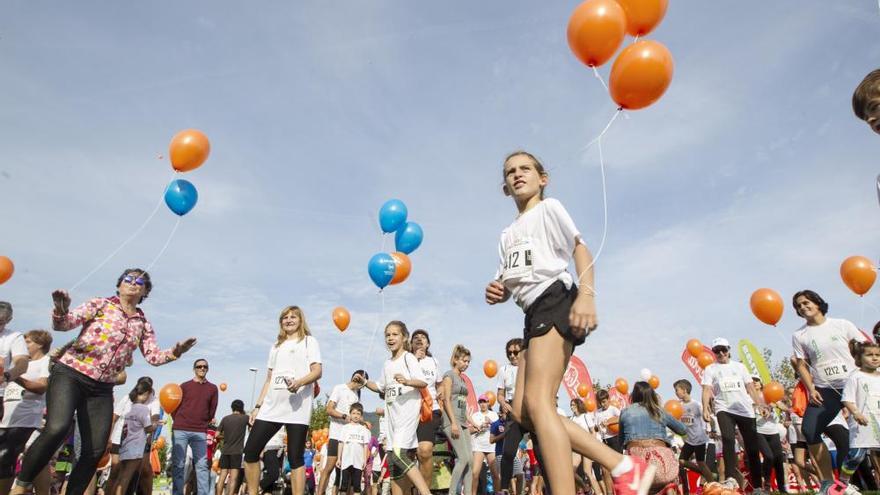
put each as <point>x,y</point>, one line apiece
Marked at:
<point>729,383</point>
<point>84,372</point>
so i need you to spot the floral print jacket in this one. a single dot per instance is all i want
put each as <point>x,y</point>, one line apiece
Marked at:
<point>108,339</point>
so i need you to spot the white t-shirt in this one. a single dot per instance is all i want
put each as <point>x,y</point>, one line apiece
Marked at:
<point>132,446</point>
<point>728,382</point>
<point>507,380</point>
<point>535,251</point>
<point>343,397</point>
<point>768,425</point>
<point>23,409</point>
<point>123,406</point>
<point>431,369</point>
<point>863,390</point>
<point>277,440</point>
<point>826,349</point>
<point>11,344</point>
<point>291,360</point>
<point>692,418</point>
<point>481,439</point>
<point>602,416</point>
<point>587,421</point>
<point>355,436</point>
<point>402,403</point>
<point>377,460</point>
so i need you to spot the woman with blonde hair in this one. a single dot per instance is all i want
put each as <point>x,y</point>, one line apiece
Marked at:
<point>285,399</point>
<point>455,419</point>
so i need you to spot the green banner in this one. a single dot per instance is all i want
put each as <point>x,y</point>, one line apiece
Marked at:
<point>754,361</point>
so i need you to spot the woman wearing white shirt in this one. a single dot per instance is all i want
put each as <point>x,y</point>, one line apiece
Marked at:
<point>730,384</point>
<point>480,422</point>
<point>823,362</point>
<point>23,403</point>
<point>420,342</point>
<point>285,399</point>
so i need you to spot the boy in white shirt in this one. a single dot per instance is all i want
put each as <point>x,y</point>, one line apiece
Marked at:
<point>354,450</point>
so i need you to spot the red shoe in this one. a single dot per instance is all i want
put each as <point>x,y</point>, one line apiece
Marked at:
<point>636,481</point>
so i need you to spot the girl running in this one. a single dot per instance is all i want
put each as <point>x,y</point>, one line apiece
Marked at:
<point>535,251</point>
<point>455,420</point>
<point>286,399</point>
<point>400,382</point>
<point>138,424</point>
<point>861,397</point>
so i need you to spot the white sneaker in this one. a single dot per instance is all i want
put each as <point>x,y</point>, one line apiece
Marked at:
<point>730,484</point>
<point>851,490</point>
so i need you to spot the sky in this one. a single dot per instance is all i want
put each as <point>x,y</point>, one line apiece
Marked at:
<point>751,171</point>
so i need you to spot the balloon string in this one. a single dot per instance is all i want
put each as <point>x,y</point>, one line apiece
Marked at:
<point>599,77</point>
<point>167,242</point>
<point>607,126</point>
<point>124,243</point>
<point>342,357</point>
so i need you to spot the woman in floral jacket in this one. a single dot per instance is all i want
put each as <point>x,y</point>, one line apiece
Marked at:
<point>83,375</point>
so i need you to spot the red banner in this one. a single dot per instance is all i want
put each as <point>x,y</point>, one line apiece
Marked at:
<point>472,405</point>
<point>576,374</point>
<point>691,364</point>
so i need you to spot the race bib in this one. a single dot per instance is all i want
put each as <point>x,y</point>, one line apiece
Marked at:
<point>391,394</point>
<point>518,260</point>
<point>279,382</point>
<point>687,420</point>
<point>833,370</point>
<point>14,392</point>
<point>731,384</point>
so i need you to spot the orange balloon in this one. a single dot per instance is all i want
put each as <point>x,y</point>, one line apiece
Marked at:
<point>6,269</point>
<point>773,392</point>
<point>583,390</point>
<point>857,272</point>
<point>223,387</point>
<point>705,359</point>
<point>491,396</point>
<point>490,368</point>
<point>170,397</point>
<point>341,318</point>
<point>595,31</point>
<point>189,149</point>
<point>614,427</point>
<point>767,306</point>
<point>402,267</point>
<point>674,408</point>
<point>621,385</point>
<point>654,382</point>
<point>642,16</point>
<point>695,347</point>
<point>590,404</point>
<point>160,443</point>
<point>640,74</point>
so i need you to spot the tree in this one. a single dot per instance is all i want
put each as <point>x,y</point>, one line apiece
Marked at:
<point>319,418</point>
<point>782,371</point>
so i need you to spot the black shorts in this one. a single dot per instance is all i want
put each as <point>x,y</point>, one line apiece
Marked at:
<point>230,461</point>
<point>550,310</point>
<point>614,442</point>
<point>375,476</point>
<point>351,478</point>
<point>427,432</point>
<point>698,451</point>
<point>333,448</point>
<point>114,448</point>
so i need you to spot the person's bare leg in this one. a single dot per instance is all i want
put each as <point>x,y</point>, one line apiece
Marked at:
<point>823,461</point>
<point>329,464</point>
<point>252,477</point>
<point>475,472</point>
<point>493,470</point>
<point>425,454</point>
<point>298,480</point>
<point>415,477</point>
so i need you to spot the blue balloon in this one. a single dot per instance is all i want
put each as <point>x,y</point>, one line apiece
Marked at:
<point>381,268</point>
<point>181,196</point>
<point>392,215</point>
<point>408,238</point>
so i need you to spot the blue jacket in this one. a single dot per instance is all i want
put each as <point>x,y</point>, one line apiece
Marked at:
<point>637,424</point>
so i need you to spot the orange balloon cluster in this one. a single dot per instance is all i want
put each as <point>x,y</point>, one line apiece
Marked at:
<point>188,150</point>
<point>674,408</point>
<point>341,318</point>
<point>7,268</point>
<point>159,444</point>
<point>402,267</point>
<point>583,390</point>
<point>767,306</point>
<point>858,273</point>
<point>490,368</point>
<point>694,347</point>
<point>621,385</point>
<point>705,359</point>
<point>643,71</point>
<point>773,392</point>
<point>320,437</point>
<point>170,396</point>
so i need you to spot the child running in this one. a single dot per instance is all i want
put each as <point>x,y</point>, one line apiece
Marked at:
<point>400,381</point>
<point>354,450</point>
<point>696,439</point>
<point>861,397</point>
<point>535,251</point>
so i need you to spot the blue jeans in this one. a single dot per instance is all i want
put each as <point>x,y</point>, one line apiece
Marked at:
<point>198,442</point>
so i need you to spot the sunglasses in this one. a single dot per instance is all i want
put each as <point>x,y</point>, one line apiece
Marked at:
<point>129,279</point>
<point>719,350</point>
<point>513,352</point>
<point>201,367</point>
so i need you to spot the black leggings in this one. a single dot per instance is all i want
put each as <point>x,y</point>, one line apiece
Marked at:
<point>728,423</point>
<point>70,391</point>
<point>771,450</point>
<point>12,441</point>
<point>512,437</point>
<point>839,436</point>
<point>263,431</point>
<point>271,469</point>
<point>817,418</point>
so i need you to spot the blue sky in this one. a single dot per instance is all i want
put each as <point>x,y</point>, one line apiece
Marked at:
<point>751,171</point>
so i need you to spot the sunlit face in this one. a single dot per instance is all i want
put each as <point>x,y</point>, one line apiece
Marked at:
<point>871,358</point>
<point>356,415</point>
<point>200,368</point>
<point>290,322</point>
<point>513,354</point>
<point>419,342</point>
<point>393,338</point>
<point>522,178</point>
<point>132,286</point>
<point>806,308</point>
<point>463,362</point>
<point>33,347</point>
